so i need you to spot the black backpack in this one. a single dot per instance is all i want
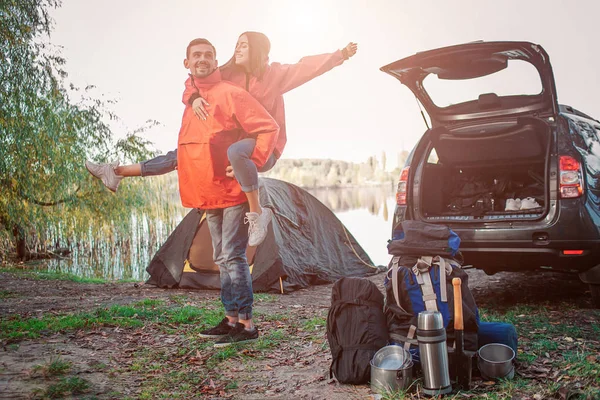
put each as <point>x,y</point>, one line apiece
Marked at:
<point>356,329</point>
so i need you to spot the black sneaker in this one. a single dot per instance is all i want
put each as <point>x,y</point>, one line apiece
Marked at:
<point>218,331</point>
<point>239,334</point>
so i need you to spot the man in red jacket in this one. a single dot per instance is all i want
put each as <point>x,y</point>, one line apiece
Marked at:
<point>203,184</point>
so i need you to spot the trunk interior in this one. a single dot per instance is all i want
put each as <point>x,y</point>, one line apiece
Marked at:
<point>488,172</point>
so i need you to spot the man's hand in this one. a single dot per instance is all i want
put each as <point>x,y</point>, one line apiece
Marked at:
<point>349,50</point>
<point>229,172</point>
<point>198,106</point>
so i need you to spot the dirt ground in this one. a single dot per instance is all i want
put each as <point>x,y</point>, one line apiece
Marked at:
<point>299,369</point>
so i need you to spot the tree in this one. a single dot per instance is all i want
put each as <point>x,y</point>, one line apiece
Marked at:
<point>45,135</point>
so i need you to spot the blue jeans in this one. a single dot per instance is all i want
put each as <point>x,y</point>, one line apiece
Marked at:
<point>160,165</point>
<point>230,239</point>
<point>239,155</point>
<point>245,170</point>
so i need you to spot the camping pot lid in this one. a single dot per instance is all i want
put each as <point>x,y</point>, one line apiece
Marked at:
<point>392,357</point>
<point>430,320</point>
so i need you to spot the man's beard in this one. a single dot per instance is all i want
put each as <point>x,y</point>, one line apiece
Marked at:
<point>198,74</point>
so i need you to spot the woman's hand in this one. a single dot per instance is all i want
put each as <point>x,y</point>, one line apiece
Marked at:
<point>198,106</point>
<point>349,50</point>
<point>229,172</point>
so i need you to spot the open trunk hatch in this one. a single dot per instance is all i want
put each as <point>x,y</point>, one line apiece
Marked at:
<point>476,60</point>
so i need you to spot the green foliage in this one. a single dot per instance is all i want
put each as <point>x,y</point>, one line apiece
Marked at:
<point>48,128</point>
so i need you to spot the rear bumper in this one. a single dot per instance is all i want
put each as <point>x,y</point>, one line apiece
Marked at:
<point>521,256</point>
<point>520,245</point>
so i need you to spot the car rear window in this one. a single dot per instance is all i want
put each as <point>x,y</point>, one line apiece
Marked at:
<point>518,78</point>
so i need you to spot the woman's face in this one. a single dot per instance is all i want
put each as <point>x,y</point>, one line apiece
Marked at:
<point>242,52</point>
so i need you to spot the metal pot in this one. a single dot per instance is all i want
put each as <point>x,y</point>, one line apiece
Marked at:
<point>495,361</point>
<point>390,380</point>
<point>391,369</point>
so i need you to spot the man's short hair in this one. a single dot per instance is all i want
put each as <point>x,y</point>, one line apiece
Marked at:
<point>199,41</point>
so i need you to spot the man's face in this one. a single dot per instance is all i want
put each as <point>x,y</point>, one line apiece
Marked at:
<point>201,60</point>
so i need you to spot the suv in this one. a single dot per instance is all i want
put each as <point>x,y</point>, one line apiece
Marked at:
<point>516,176</point>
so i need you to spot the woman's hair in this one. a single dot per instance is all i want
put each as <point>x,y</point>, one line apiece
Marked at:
<point>259,48</point>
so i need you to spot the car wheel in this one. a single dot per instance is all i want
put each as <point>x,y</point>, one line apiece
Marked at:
<point>595,290</point>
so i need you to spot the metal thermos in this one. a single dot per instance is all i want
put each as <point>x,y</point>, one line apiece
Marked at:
<point>431,336</point>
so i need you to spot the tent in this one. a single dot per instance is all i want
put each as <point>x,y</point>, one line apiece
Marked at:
<point>306,245</point>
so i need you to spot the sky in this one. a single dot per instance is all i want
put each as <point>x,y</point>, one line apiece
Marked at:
<point>133,51</point>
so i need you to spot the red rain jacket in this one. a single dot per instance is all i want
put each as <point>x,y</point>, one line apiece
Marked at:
<point>202,145</point>
<point>277,80</point>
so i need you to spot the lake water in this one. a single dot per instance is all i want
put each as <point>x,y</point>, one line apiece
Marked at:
<point>366,212</point>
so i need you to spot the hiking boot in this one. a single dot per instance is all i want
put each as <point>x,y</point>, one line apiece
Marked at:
<point>257,232</point>
<point>106,173</point>
<point>222,329</point>
<point>239,334</point>
<point>513,205</point>
<point>529,203</point>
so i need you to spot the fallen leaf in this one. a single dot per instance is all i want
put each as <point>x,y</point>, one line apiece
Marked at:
<point>568,339</point>
<point>591,358</point>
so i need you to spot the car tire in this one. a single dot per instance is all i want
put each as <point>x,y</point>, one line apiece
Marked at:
<point>595,290</point>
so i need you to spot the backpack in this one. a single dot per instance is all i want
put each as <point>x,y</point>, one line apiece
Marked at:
<point>356,329</point>
<point>426,258</point>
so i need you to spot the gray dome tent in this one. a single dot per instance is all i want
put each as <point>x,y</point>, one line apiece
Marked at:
<point>306,245</point>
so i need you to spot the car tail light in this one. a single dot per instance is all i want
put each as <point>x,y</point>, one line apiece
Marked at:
<point>402,186</point>
<point>570,178</point>
<point>572,252</point>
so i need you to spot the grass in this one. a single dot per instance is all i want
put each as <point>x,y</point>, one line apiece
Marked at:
<point>54,367</point>
<point>60,276</point>
<point>551,336</point>
<point>271,340</point>
<point>66,386</point>
<point>272,317</point>
<point>5,294</point>
<point>174,375</point>
<point>265,298</point>
<point>313,324</point>
<point>98,366</point>
<point>179,299</point>
<point>582,364</point>
<point>150,303</point>
<point>16,327</point>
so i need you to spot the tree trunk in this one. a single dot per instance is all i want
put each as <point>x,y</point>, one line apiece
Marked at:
<point>19,234</point>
